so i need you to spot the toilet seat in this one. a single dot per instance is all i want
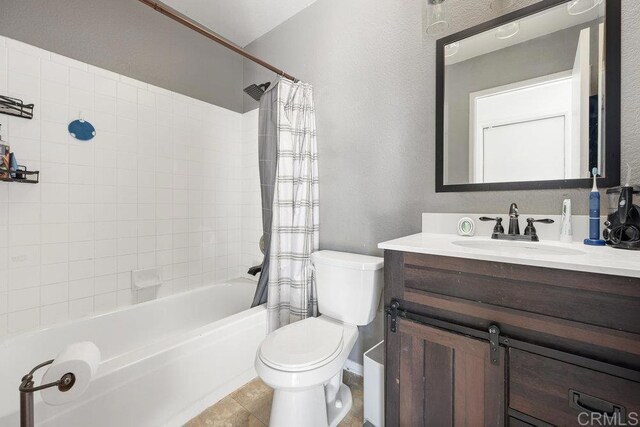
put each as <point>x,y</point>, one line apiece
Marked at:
<point>303,345</point>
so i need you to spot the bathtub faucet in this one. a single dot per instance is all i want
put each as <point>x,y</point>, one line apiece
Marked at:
<point>255,270</point>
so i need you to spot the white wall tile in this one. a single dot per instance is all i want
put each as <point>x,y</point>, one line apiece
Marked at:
<point>54,92</point>
<point>56,293</point>
<point>127,92</point>
<point>23,320</point>
<point>81,79</point>
<point>55,233</point>
<point>106,230</point>
<point>54,72</point>
<point>106,266</point>
<point>81,307</point>
<point>81,288</point>
<point>23,85</point>
<point>80,102</point>
<point>147,98</point>
<point>79,251</point>
<point>24,63</point>
<point>22,257</point>
<point>54,273</point>
<point>55,313</point>
<point>4,302</point>
<point>55,153</point>
<point>54,253</point>
<point>23,213</point>
<point>106,86</point>
<point>81,231</point>
<point>23,299</point>
<point>105,302</point>
<point>24,235</point>
<point>168,181</point>
<point>105,104</point>
<point>53,131</point>
<point>79,193</point>
<point>105,284</point>
<point>54,173</point>
<point>127,110</point>
<point>21,128</point>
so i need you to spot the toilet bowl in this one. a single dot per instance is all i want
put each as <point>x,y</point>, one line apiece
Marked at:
<point>319,349</point>
<point>303,361</point>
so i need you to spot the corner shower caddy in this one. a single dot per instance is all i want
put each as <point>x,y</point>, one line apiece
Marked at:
<point>17,108</point>
<point>27,177</point>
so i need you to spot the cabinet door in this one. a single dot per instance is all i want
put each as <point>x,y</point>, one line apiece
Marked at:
<point>438,378</point>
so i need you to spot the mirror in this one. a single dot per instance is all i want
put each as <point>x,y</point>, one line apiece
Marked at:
<point>531,99</point>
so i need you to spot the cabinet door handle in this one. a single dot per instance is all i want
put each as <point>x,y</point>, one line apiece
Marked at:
<point>593,405</point>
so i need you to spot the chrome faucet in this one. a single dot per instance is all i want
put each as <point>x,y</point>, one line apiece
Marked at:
<point>514,225</point>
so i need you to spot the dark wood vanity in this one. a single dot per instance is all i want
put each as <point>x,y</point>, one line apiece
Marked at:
<point>481,343</point>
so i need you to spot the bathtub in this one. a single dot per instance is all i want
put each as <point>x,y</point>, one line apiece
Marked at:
<point>163,361</point>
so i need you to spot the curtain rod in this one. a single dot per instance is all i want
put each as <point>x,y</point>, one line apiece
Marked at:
<point>195,26</point>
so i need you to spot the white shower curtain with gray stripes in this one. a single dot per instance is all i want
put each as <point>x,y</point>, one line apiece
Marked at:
<point>295,226</point>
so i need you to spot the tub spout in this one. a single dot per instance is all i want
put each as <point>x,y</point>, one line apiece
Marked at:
<point>255,270</point>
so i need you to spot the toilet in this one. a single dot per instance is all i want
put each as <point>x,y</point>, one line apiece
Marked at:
<point>303,361</point>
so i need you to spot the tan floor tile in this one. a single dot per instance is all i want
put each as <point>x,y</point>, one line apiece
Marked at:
<point>226,413</point>
<point>256,397</point>
<point>350,421</point>
<point>352,380</point>
<point>357,392</point>
<point>250,406</point>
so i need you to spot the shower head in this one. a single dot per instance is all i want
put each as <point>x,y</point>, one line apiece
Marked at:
<point>256,91</point>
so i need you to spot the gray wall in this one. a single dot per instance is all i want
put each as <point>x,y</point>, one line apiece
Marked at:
<point>492,70</point>
<point>374,77</point>
<point>129,38</point>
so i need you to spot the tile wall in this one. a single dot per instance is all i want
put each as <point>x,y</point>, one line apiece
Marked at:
<point>169,181</point>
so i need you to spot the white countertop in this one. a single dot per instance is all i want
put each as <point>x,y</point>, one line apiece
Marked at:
<point>602,260</point>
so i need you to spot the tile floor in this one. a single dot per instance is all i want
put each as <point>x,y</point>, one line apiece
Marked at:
<point>250,406</point>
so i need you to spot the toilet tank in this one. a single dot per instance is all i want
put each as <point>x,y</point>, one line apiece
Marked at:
<point>348,285</point>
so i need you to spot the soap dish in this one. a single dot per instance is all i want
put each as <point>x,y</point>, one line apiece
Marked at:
<point>145,283</point>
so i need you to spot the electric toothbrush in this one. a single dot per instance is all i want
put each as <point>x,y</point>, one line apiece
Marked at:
<point>594,214</point>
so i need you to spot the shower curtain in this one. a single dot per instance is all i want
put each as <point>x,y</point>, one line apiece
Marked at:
<point>290,202</point>
<point>267,151</point>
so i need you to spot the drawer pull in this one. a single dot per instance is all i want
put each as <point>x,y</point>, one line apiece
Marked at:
<point>593,405</point>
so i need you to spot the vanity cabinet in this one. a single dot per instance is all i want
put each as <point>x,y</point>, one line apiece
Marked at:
<point>444,377</point>
<point>482,343</point>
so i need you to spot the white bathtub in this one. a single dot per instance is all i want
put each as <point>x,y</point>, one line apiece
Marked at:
<point>163,361</point>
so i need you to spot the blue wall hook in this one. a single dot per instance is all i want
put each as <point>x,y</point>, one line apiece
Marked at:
<point>82,130</point>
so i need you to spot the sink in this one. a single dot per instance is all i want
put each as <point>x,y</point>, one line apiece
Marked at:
<point>517,247</point>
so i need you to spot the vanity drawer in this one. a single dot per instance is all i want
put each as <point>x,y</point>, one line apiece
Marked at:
<point>605,301</point>
<point>557,392</point>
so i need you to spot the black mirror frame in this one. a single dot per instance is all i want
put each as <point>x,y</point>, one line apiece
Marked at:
<point>612,106</point>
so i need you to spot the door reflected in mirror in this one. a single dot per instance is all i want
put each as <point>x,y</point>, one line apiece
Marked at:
<point>525,100</point>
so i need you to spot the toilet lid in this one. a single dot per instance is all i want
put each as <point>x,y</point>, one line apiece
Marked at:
<point>302,345</point>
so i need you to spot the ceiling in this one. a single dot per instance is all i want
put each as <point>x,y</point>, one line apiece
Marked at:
<point>531,27</point>
<point>241,21</point>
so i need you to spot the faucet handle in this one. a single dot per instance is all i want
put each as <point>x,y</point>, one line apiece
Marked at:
<point>498,227</point>
<point>531,229</point>
<point>543,221</point>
